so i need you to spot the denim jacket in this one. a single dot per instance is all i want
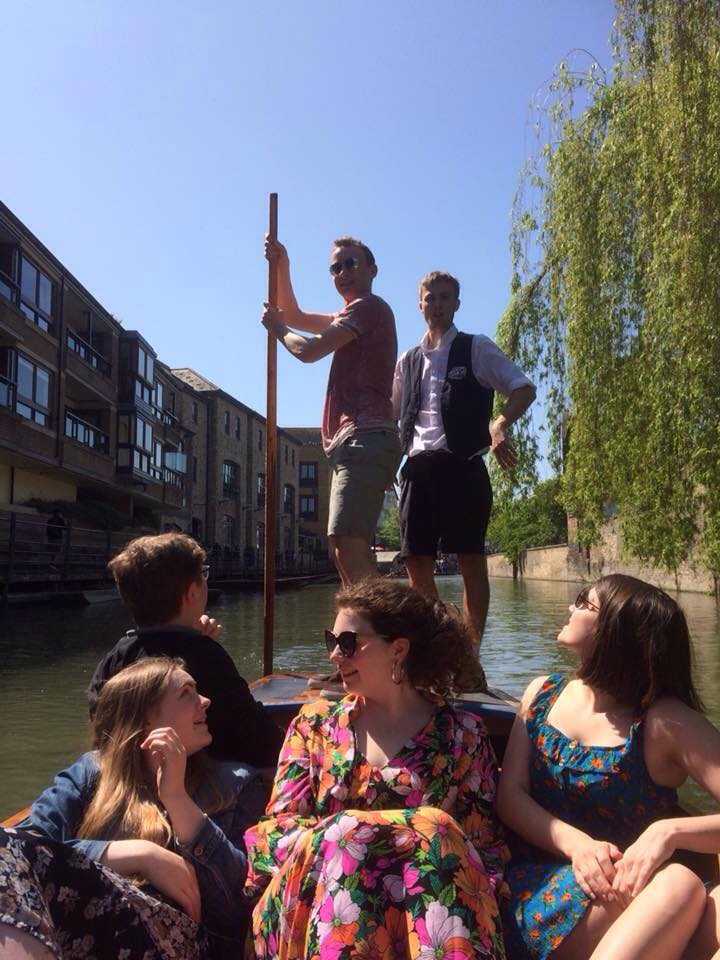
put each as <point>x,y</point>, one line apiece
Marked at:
<point>217,851</point>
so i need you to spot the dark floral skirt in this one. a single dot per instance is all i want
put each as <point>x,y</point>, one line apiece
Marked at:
<point>82,910</point>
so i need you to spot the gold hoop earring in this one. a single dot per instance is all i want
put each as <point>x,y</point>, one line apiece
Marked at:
<point>398,673</point>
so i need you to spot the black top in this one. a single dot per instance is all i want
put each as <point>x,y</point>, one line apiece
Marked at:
<point>241,728</point>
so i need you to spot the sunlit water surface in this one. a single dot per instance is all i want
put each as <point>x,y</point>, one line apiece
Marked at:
<point>47,656</point>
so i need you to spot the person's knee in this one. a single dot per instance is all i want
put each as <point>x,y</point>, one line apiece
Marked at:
<point>680,888</point>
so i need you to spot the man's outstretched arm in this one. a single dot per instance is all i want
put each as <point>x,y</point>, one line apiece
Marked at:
<point>306,349</point>
<point>276,253</point>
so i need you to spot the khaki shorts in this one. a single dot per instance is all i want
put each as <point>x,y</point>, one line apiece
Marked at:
<point>363,468</point>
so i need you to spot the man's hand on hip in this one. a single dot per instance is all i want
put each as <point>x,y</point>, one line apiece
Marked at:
<point>500,446</point>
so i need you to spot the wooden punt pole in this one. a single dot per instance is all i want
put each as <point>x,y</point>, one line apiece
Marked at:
<point>270,460</point>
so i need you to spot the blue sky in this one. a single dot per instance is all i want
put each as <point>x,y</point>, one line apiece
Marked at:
<point>141,141</point>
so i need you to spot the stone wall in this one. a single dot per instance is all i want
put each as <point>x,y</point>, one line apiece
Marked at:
<point>571,562</point>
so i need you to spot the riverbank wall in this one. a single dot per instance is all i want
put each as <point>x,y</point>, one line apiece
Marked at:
<point>569,561</point>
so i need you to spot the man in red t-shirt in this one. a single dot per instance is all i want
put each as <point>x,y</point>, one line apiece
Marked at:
<point>358,429</point>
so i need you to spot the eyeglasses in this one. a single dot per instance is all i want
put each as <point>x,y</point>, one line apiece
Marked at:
<point>582,601</point>
<point>349,263</point>
<point>346,641</point>
<point>205,571</point>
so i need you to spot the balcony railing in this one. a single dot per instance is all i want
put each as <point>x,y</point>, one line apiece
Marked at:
<point>9,288</point>
<point>7,393</point>
<point>85,433</point>
<point>87,353</point>
<point>230,491</point>
<point>173,478</point>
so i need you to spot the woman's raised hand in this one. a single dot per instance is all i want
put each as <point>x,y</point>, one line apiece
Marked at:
<point>168,760</point>
<point>593,863</point>
<point>641,859</point>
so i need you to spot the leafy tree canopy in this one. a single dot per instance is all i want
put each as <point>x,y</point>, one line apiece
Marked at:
<point>615,305</point>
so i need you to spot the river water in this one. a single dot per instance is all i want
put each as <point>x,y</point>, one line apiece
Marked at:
<point>47,656</point>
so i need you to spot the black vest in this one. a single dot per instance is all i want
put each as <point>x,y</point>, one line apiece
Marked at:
<point>465,405</point>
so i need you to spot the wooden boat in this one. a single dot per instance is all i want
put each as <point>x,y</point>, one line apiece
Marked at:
<point>284,693</point>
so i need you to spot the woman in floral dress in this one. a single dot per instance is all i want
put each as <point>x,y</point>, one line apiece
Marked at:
<point>379,840</point>
<point>589,784</point>
<point>118,860</point>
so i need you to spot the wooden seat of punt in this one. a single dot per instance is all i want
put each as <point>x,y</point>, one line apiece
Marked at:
<point>284,693</point>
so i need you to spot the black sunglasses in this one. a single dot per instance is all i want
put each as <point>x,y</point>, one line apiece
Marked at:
<point>349,263</point>
<point>347,641</point>
<point>582,601</point>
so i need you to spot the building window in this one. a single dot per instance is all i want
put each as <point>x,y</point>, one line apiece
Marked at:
<point>194,474</point>
<point>260,538</point>
<point>36,295</point>
<point>194,412</point>
<point>308,507</point>
<point>237,428</point>
<point>261,490</point>
<point>226,422</point>
<point>157,462</point>
<point>308,473</point>
<point>229,480</point>
<point>260,440</point>
<point>145,365</point>
<point>171,401</point>
<point>289,500</point>
<point>136,450</point>
<point>228,526</point>
<point>286,454</point>
<point>158,397</point>
<point>32,392</point>
<point>292,453</point>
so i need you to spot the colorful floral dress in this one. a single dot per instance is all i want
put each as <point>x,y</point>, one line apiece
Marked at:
<point>384,863</point>
<point>604,791</point>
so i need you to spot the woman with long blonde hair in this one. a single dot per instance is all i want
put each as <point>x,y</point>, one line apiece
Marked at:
<point>136,849</point>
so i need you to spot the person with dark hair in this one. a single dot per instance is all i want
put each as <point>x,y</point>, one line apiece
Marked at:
<point>380,838</point>
<point>443,393</point>
<point>358,430</point>
<point>136,850</point>
<point>589,786</point>
<point>162,580</point>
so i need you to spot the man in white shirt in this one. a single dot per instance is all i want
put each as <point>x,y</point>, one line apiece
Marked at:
<point>443,397</point>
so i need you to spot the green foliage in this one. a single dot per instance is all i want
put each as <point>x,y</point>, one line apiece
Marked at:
<point>537,519</point>
<point>388,530</point>
<point>616,283</point>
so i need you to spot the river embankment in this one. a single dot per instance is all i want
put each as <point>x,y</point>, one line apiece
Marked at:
<point>568,562</point>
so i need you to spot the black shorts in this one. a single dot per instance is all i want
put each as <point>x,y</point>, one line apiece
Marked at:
<point>444,501</point>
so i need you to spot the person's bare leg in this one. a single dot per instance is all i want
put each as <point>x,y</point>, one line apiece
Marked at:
<point>421,575</point>
<point>656,926</point>
<point>17,945</point>
<point>352,558</point>
<point>705,942</point>
<point>476,598</point>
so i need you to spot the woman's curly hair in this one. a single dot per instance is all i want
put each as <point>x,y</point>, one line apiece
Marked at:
<point>440,657</point>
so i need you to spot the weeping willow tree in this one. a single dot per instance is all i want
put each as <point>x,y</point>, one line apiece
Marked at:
<point>615,304</point>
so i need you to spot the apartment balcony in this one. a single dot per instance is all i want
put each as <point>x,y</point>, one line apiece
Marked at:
<point>89,449</point>
<point>174,487</point>
<point>12,322</point>
<point>88,366</point>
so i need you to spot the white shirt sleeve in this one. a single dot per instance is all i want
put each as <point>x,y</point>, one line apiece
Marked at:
<point>493,368</point>
<point>397,385</point>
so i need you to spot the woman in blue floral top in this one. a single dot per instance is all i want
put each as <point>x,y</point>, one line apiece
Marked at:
<point>589,785</point>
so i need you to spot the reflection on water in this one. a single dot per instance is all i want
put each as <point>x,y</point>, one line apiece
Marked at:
<point>47,657</point>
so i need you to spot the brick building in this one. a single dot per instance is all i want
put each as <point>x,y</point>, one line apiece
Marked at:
<point>89,411</point>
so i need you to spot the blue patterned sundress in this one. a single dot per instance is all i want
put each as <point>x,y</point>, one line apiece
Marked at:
<point>604,791</point>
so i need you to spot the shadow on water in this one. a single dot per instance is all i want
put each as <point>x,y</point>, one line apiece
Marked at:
<point>47,656</point>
